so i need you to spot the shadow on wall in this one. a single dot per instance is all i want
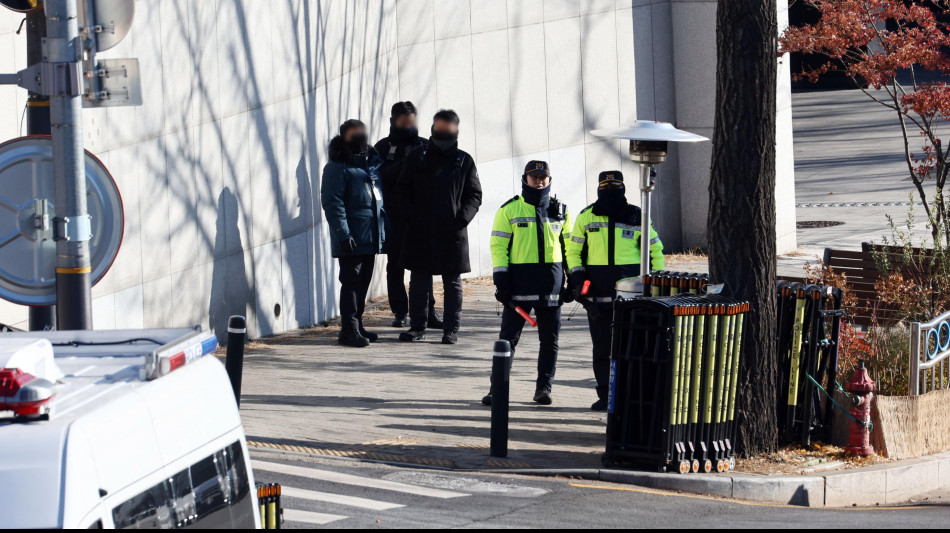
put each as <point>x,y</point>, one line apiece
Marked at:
<point>270,244</point>
<point>229,289</point>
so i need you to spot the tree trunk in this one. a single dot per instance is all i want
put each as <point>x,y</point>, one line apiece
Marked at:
<point>742,203</point>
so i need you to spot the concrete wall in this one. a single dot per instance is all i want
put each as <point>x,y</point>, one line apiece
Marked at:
<point>220,169</point>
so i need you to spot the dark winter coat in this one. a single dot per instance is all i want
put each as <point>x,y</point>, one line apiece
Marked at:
<point>439,195</point>
<point>352,201</point>
<point>392,160</point>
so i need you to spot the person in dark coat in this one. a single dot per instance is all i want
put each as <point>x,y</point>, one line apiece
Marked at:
<point>439,195</point>
<point>403,137</point>
<point>353,205</point>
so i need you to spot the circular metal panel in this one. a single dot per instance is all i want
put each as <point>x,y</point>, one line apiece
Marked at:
<point>27,248</point>
<point>22,6</point>
<point>113,16</point>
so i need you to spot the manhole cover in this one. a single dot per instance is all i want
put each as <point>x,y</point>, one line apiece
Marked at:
<point>812,224</point>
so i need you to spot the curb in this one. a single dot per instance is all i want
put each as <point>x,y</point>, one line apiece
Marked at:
<point>882,484</point>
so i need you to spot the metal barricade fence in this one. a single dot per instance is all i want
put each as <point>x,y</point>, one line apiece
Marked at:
<point>808,330</point>
<point>929,353</point>
<point>673,380</point>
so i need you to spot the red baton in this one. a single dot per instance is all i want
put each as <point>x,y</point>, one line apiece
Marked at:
<point>527,318</point>
<point>586,287</point>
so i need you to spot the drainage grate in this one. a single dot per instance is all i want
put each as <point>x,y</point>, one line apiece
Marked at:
<point>812,224</point>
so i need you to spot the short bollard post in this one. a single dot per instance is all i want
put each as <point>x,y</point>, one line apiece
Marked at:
<point>234,360</point>
<point>500,375</point>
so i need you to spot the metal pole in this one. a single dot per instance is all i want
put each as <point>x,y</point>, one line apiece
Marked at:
<point>42,317</point>
<point>234,360</point>
<point>647,184</point>
<point>73,268</point>
<point>913,382</point>
<point>500,376</point>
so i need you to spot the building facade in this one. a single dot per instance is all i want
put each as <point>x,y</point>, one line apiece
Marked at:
<point>220,168</point>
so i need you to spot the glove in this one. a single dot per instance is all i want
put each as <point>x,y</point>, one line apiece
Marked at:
<point>503,296</point>
<point>348,245</point>
<point>567,293</point>
<point>576,290</point>
<point>577,279</point>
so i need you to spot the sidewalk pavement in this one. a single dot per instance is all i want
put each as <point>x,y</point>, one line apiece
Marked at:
<point>419,404</point>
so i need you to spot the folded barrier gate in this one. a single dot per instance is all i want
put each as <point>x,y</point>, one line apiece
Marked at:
<point>809,325</point>
<point>673,377</point>
<point>807,334</point>
<point>666,283</point>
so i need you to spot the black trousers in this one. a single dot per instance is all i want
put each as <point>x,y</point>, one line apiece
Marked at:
<point>420,294</point>
<point>600,340</point>
<point>356,271</point>
<point>396,285</point>
<point>549,328</point>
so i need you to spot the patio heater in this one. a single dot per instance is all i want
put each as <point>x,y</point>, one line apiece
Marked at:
<point>648,147</point>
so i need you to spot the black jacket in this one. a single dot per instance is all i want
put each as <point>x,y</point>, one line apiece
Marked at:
<point>389,174</point>
<point>438,195</point>
<point>349,194</point>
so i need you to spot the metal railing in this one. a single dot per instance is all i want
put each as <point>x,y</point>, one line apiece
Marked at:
<point>929,354</point>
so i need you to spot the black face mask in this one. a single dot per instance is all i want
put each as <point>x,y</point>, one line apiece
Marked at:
<point>611,202</point>
<point>403,135</point>
<point>358,143</point>
<point>444,141</point>
<point>536,197</point>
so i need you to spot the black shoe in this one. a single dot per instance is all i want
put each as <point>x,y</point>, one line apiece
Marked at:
<point>543,396</point>
<point>353,339</point>
<point>400,321</point>
<point>413,335</point>
<point>450,338</point>
<point>370,336</point>
<point>434,321</point>
<point>486,399</point>
<point>599,405</point>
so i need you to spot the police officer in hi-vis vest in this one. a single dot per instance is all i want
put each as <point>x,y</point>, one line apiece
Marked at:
<point>604,248</point>
<point>528,242</point>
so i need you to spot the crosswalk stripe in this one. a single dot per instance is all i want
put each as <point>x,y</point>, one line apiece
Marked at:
<point>340,499</point>
<point>347,479</point>
<point>295,515</point>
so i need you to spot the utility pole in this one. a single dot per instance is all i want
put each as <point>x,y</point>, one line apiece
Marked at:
<point>42,317</point>
<point>63,52</point>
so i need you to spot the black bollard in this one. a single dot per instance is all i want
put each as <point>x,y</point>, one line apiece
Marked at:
<point>500,375</point>
<point>234,360</point>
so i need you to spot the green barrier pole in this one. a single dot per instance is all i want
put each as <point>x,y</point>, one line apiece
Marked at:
<point>736,353</point>
<point>709,368</point>
<point>677,353</point>
<point>721,385</point>
<point>797,331</point>
<point>695,390</point>
<point>687,362</point>
<point>719,391</point>
<point>680,431</point>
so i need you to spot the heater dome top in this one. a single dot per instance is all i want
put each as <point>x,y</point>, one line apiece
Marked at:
<point>648,130</point>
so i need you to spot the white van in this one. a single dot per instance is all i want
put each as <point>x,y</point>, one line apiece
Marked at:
<point>123,429</point>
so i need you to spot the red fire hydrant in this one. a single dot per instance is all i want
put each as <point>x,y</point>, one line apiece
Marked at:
<point>861,387</point>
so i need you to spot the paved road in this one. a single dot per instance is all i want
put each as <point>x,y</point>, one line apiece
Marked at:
<point>349,494</point>
<point>849,160</point>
